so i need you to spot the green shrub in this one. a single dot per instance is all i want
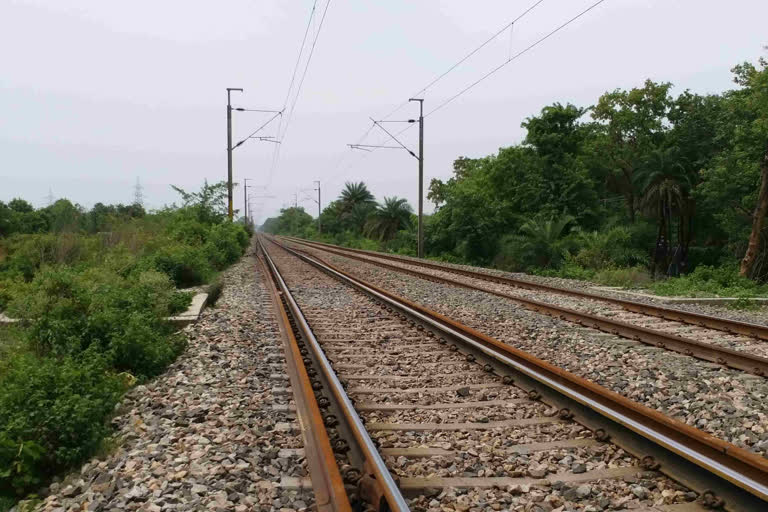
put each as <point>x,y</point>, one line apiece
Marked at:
<point>185,265</point>
<point>215,290</point>
<point>141,348</point>
<point>54,413</point>
<point>708,281</point>
<point>632,277</point>
<point>188,231</point>
<point>226,243</point>
<point>68,313</point>
<point>27,253</point>
<point>610,248</point>
<point>180,301</point>
<point>569,270</point>
<point>744,304</point>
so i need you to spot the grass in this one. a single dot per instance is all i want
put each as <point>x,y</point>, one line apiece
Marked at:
<point>708,281</point>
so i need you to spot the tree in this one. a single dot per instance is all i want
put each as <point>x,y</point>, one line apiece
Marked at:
<point>210,204</point>
<point>630,124</point>
<point>665,194</point>
<point>541,242</point>
<point>291,221</point>
<point>63,216</point>
<point>355,204</point>
<point>389,218</point>
<point>755,99</point>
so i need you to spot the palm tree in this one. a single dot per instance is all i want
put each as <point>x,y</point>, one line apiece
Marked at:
<point>389,218</point>
<point>665,186</point>
<point>356,203</point>
<point>355,194</point>
<point>544,241</point>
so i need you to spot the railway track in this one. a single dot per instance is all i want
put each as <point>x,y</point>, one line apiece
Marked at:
<point>730,343</point>
<point>426,413</point>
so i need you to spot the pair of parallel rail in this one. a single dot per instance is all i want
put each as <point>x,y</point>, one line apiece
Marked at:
<point>737,359</point>
<point>724,475</point>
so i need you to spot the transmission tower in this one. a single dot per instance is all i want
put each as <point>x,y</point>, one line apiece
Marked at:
<point>138,195</point>
<point>50,197</point>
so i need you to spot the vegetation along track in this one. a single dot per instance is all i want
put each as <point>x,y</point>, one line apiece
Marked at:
<point>731,343</point>
<point>461,418</point>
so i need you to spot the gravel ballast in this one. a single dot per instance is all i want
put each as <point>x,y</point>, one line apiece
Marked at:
<point>757,316</point>
<point>204,435</point>
<point>413,392</point>
<point>729,404</point>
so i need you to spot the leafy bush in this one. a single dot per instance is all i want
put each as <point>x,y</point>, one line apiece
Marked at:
<point>612,247</point>
<point>226,243</point>
<point>140,348</point>
<point>185,265</point>
<point>214,291</point>
<point>68,313</point>
<point>631,277</point>
<point>27,253</point>
<point>569,270</point>
<point>711,281</point>
<point>541,243</point>
<point>180,301</point>
<point>744,304</point>
<point>54,415</point>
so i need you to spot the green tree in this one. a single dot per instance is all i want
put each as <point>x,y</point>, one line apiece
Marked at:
<point>665,188</point>
<point>209,204</point>
<point>630,124</point>
<point>63,216</point>
<point>356,204</point>
<point>389,218</point>
<point>754,99</point>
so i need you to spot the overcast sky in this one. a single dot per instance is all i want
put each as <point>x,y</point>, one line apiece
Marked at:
<point>97,93</point>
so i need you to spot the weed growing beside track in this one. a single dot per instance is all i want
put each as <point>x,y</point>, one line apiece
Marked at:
<point>92,311</point>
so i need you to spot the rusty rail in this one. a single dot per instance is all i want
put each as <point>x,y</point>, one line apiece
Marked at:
<point>724,474</point>
<point>739,360</point>
<point>377,482</point>
<point>327,483</point>
<point>720,324</point>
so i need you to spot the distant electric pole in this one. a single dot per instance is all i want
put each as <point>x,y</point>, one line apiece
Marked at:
<point>138,196</point>
<point>421,176</point>
<point>50,197</point>
<point>230,211</point>
<point>245,197</point>
<point>319,208</point>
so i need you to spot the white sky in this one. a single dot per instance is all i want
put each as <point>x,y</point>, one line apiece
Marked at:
<point>95,93</point>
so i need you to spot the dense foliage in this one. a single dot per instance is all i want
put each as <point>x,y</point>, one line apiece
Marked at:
<point>93,290</point>
<point>642,184</point>
<point>640,178</point>
<point>355,219</point>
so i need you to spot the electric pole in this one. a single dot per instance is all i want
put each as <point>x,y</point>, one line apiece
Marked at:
<point>319,208</point>
<point>245,198</point>
<point>421,176</point>
<point>229,150</point>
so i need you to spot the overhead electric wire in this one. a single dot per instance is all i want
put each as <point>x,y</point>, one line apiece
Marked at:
<point>276,160</point>
<point>514,57</point>
<point>440,77</point>
<point>290,85</point>
<point>481,79</point>
<point>466,57</point>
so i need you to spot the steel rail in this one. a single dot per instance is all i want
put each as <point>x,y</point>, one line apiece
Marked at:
<point>739,360</point>
<point>374,461</point>
<point>327,483</point>
<point>720,324</point>
<point>703,462</point>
